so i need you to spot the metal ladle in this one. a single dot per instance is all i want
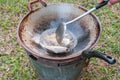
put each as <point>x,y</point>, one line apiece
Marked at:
<point>60,31</point>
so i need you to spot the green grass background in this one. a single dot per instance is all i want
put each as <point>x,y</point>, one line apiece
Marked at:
<point>14,63</point>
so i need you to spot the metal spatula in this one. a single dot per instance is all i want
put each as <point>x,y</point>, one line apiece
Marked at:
<point>60,31</point>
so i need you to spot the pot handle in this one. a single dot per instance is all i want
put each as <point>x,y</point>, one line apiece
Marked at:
<point>97,54</point>
<point>35,1</point>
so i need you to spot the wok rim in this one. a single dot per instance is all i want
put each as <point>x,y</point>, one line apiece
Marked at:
<point>71,57</point>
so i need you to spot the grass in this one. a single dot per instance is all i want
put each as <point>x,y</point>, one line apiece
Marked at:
<point>14,64</point>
